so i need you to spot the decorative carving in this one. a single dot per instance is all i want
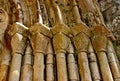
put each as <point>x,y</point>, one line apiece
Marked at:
<point>4,49</point>
<point>38,61</point>
<point>99,45</point>
<point>40,40</point>
<point>99,41</point>
<point>61,42</point>
<point>62,45</point>
<point>81,37</point>
<point>18,45</point>
<point>61,33</point>
<point>81,40</point>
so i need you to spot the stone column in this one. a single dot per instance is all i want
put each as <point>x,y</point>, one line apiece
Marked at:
<point>93,64</point>
<point>81,42</point>
<point>27,69</point>
<point>39,38</point>
<point>99,41</point>
<point>62,45</point>
<point>72,68</point>
<point>18,45</point>
<point>49,63</point>
<point>112,61</point>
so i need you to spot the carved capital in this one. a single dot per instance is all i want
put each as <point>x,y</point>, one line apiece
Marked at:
<point>99,40</point>
<point>39,43</point>
<point>61,38</point>
<point>18,28</point>
<point>81,37</point>
<point>61,28</point>
<point>18,43</point>
<point>18,33</point>
<point>60,43</point>
<point>81,28</point>
<point>81,42</point>
<point>40,28</point>
<point>40,38</point>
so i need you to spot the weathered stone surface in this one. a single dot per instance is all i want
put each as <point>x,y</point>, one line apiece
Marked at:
<point>112,60</point>
<point>61,28</point>
<point>110,9</point>
<point>4,49</point>
<point>18,45</point>
<point>4,69</point>
<point>111,12</point>
<point>3,21</point>
<point>40,41</point>
<point>26,74</point>
<point>95,72</point>
<point>18,39</point>
<point>62,45</point>
<point>63,66</point>
<point>18,28</point>
<point>72,71</point>
<point>116,29</point>
<point>14,73</point>
<point>27,69</point>
<point>40,28</point>
<point>38,67</point>
<point>100,47</point>
<point>50,63</point>
<point>81,40</point>
<point>61,49</point>
<point>49,68</point>
<point>81,28</point>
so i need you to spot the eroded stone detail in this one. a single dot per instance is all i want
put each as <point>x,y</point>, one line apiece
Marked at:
<point>41,45</point>
<point>18,45</point>
<point>4,49</point>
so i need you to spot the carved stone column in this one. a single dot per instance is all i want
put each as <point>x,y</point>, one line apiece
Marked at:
<point>93,64</point>
<point>81,41</point>
<point>112,61</point>
<point>62,46</point>
<point>82,33</point>
<point>40,39</point>
<point>18,45</point>
<point>49,63</point>
<point>99,41</point>
<point>27,69</point>
<point>72,67</point>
